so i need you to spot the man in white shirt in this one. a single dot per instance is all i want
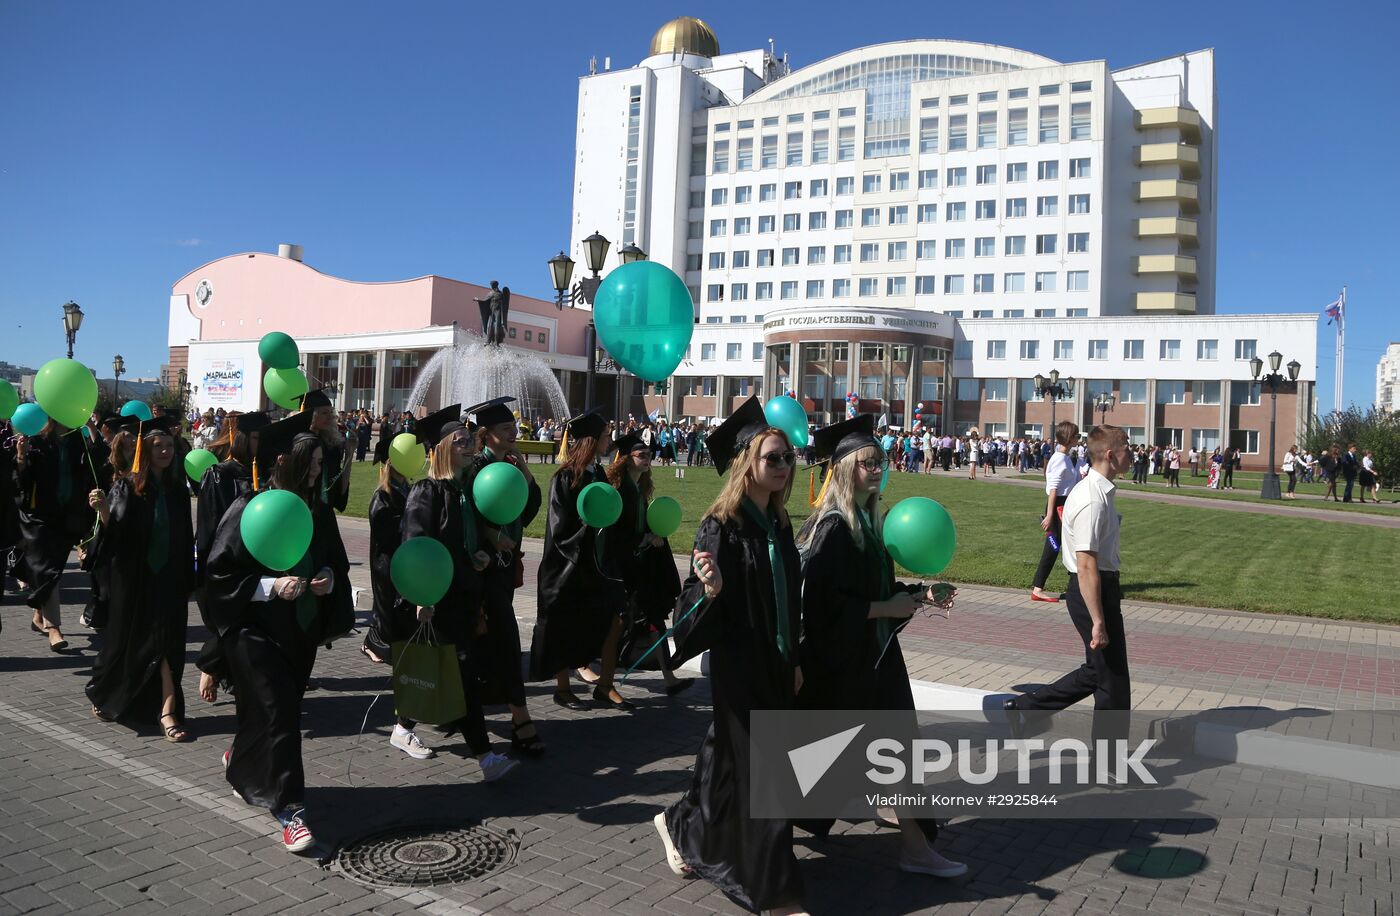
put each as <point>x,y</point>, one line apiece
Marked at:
<point>1094,599</point>
<point>1061,474</point>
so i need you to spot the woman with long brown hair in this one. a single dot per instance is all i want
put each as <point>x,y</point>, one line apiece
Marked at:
<point>146,544</point>
<point>117,451</point>
<point>580,588</point>
<point>742,603</point>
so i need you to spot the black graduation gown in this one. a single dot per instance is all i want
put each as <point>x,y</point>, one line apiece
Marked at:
<point>394,618</point>
<point>9,512</point>
<point>220,487</point>
<point>332,465</point>
<point>50,523</point>
<point>500,675</point>
<point>579,593</point>
<point>148,605</point>
<point>750,860</point>
<point>649,576</point>
<point>270,653</point>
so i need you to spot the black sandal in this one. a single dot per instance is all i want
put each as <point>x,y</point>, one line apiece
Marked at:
<point>532,745</point>
<point>175,734</point>
<point>101,716</point>
<point>601,697</point>
<point>569,700</point>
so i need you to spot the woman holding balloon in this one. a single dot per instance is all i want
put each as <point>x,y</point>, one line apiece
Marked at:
<point>852,608</point>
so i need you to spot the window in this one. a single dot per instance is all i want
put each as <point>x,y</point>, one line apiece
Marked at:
<point>1077,242</point>
<point>1083,86</point>
<point>791,257</point>
<point>714,292</point>
<point>957,100</point>
<point>527,336</point>
<point>1015,172</point>
<point>1047,206</point>
<point>869,251</point>
<point>1044,282</point>
<point>957,178</point>
<point>840,289</point>
<point>845,219</point>
<point>697,200</point>
<point>788,290</point>
<point>1132,349</point>
<point>996,349</point>
<point>707,384</point>
<point>924,285</point>
<point>1244,394</point>
<point>542,337</point>
<point>1049,124</point>
<point>869,286</point>
<point>743,160</point>
<point>982,313</point>
<point>1098,349</point>
<point>994,389</point>
<point>1079,121</point>
<point>1169,349</point>
<point>733,351</point>
<point>795,118</point>
<point>986,129</point>
<point>1077,313</point>
<point>957,133</point>
<point>792,222</point>
<point>841,254</point>
<point>718,227</point>
<point>794,149</point>
<point>953,285</point>
<point>719,161</point>
<point>692,262</point>
<point>984,283</point>
<point>897,251</point>
<point>870,184</point>
<point>1015,245</point>
<point>1017,93</point>
<point>816,187</point>
<point>1064,349</point>
<point>1016,131</point>
<point>872,387</point>
<point>986,174</point>
<point>1076,281</point>
<point>899,181</point>
<point>870,216</point>
<point>792,190</point>
<point>1169,436</point>
<point>767,192</point>
<point>716,260</point>
<point>1245,349</point>
<point>1045,313</point>
<point>845,185</point>
<point>1048,170</point>
<point>1205,393</point>
<point>928,103</point>
<point>719,197</point>
<point>956,212</point>
<point>766,224</point>
<point>1132,391</point>
<point>927,213</point>
<point>1207,349</point>
<point>968,389</point>
<point>845,144</point>
<point>1030,349</point>
<point>1015,207</point>
<point>954,248</point>
<point>1078,204</point>
<point>816,289</point>
<point>763,291</point>
<point>896,286</point>
<point>1079,168</point>
<point>697,159</point>
<point>1246,440</point>
<point>899,216</point>
<point>986,209</point>
<point>840,352</point>
<point>707,351</point>
<point>757,350</point>
<point>1170,392</point>
<point>984,247</point>
<point>1013,283</point>
<point>821,146</point>
<point>928,178</point>
<point>962,349</point>
<point>740,259</point>
<point>814,386</point>
<point>816,254</point>
<point>1045,244</point>
<point>1205,440</point>
<point>765,257</point>
<point>1050,90</point>
<point>694,291</point>
<point>925,249</point>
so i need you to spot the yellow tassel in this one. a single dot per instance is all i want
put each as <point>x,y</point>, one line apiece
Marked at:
<point>812,488</point>
<point>255,475</point>
<point>33,495</point>
<point>564,446</point>
<point>136,461</point>
<point>826,482</point>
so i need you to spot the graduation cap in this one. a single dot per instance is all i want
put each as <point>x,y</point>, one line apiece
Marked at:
<point>629,443</point>
<point>251,422</point>
<point>588,424</point>
<point>834,442</point>
<point>127,424</point>
<point>315,398</point>
<point>168,425</point>
<point>736,432</point>
<point>437,426</point>
<point>112,421</point>
<point>276,439</point>
<point>489,413</point>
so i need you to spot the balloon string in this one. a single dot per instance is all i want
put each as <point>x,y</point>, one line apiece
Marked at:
<point>664,636</point>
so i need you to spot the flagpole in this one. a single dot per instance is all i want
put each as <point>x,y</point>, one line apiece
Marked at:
<point>1341,353</point>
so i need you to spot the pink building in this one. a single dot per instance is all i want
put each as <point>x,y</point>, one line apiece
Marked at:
<point>366,341</point>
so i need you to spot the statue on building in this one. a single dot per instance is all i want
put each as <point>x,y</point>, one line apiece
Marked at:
<point>495,313</point>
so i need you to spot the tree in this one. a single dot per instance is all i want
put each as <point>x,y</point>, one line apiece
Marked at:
<point>1375,430</point>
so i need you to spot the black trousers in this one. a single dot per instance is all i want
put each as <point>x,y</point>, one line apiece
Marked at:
<point>1048,554</point>
<point>1104,674</point>
<point>945,455</point>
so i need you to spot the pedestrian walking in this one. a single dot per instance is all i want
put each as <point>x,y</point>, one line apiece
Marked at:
<point>1290,467</point>
<point>1061,475</point>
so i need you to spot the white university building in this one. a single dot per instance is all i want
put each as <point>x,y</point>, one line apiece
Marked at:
<point>936,222</point>
<point>1388,379</point>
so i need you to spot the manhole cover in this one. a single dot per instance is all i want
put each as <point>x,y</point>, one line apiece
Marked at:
<point>428,856</point>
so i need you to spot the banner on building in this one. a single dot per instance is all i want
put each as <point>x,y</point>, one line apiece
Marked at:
<point>223,382</point>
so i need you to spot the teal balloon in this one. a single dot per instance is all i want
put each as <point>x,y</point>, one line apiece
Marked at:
<point>599,505</point>
<point>276,529</point>
<point>421,570</point>
<point>67,391</point>
<point>198,461</point>
<point>87,433</point>
<point>884,478</point>
<point>500,492</point>
<point>788,415</point>
<point>644,316</point>
<point>9,400</point>
<point>663,516</point>
<point>29,419</point>
<point>138,409</point>
<point>285,387</point>
<point>919,535</point>
<point>278,351</point>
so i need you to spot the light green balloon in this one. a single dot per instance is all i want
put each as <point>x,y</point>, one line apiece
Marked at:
<point>407,454</point>
<point>663,516</point>
<point>599,505</point>
<point>198,461</point>
<point>9,400</point>
<point>919,535</point>
<point>67,391</point>
<point>500,492</point>
<point>285,387</point>
<point>276,528</point>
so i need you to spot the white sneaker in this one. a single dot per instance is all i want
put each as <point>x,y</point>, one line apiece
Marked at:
<point>494,766</point>
<point>930,862</point>
<point>407,741</point>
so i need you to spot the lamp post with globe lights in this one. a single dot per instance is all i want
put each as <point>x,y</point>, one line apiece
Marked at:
<point>1274,378</point>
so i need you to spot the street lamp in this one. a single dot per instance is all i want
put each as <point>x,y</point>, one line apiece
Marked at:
<point>1054,388</point>
<point>1103,403</point>
<point>1270,488</point>
<point>72,320</point>
<point>118,370</point>
<point>629,253</point>
<point>184,390</point>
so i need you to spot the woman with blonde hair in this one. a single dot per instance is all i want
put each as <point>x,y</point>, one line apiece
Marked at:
<point>742,603</point>
<point>852,608</point>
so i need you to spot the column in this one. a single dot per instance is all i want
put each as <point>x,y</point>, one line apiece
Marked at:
<point>770,371</point>
<point>1013,393</point>
<point>1225,395</point>
<point>1077,405</point>
<point>913,384</point>
<point>381,380</point>
<point>1150,422</point>
<point>342,379</point>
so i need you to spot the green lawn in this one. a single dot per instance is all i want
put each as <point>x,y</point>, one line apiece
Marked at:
<point>1178,554</point>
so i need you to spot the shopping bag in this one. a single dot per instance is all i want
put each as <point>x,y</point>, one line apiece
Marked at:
<point>427,680</point>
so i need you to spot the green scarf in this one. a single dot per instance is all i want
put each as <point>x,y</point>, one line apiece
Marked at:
<point>641,526</point>
<point>468,519</point>
<point>875,549</point>
<point>306,602</point>
<point>158,548</point>
<point>769,523</point>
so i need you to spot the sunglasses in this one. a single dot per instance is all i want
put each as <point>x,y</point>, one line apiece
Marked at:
<point>780,459</point>
<point>874,464</point>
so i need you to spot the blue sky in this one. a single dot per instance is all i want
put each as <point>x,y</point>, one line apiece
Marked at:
<point>140,140</point>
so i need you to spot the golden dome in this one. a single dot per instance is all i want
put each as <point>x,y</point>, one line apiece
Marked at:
<point>685,35</point>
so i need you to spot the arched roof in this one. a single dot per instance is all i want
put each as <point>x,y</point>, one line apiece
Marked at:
<point>685,35</point>
<point>898,62</point>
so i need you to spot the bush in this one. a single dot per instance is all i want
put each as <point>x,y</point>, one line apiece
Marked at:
<point>1373,430</point>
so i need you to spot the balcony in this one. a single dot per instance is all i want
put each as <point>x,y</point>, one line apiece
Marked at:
<point>1187,194</point>
<point>1167,303</point>
<point>1162,227</point>
<point>1187,158</point>
<point>1159,264</point>
<point>1186,120</point>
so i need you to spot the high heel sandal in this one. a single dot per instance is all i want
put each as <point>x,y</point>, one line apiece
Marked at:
<point>532,745</point>
<point>176,733</point>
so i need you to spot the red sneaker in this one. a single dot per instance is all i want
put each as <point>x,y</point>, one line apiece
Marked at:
<point>296,836</point>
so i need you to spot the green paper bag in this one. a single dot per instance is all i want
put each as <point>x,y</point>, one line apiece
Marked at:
<point>428,681</point>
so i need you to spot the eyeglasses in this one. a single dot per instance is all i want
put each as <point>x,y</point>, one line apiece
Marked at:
<point>780,459</point>
<point>874,464</point>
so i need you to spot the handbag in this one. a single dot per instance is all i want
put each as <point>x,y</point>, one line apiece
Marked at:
<point>427,679</point>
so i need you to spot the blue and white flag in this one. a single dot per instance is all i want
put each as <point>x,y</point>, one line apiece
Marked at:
<point>654,414</point>
<point>1334,310</point>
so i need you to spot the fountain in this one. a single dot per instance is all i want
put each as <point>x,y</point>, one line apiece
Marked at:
<point>474,371</point>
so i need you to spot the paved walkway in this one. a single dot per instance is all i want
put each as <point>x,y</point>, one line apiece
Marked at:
<point>98,817</point>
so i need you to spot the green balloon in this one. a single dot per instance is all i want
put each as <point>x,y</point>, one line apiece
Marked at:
<point>198,461</point>
<point>421,570</point>
<point>138,409</point>
<point>500,492</point>
<point>276,529</point>
<point>599,505</point>
<point>67,391</point>
<point>644,316</point>
<point>407,454</point>
<point>9,400</point>
<point>278,351</point>
<point>663,516</point>
<point>919,535</point>
<point>285,387</point>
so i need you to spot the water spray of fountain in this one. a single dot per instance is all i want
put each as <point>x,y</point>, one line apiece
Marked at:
<point>474,371</point>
